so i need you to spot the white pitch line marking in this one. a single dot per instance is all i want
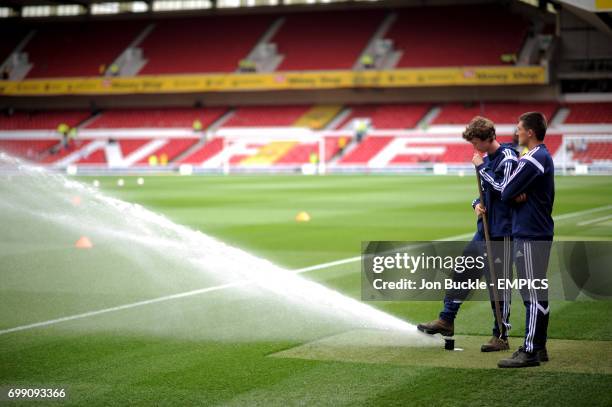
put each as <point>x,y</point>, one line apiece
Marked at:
<point>584,212</point>
<point>597,220</point>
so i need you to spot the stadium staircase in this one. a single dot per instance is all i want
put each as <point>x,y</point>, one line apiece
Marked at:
<point>380,47</point>
<point>17,62</point>
<point>429,38</point>
<point>184,45</point>
<point>318,117</point>
<point>339,37</point>
<point>132,60</point>
<point>78,48</point>
<point>265,53</point>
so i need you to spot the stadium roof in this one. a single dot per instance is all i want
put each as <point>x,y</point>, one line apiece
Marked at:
<point>23,3</point>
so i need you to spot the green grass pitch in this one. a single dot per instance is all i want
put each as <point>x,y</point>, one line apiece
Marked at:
<point>100,363</point>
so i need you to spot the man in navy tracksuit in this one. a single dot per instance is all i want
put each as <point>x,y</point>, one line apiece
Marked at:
<point>532,184</point>
<point>495,171</point>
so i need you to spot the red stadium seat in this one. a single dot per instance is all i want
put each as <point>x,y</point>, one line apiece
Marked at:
<point>155,118</point>
<point>368,148</point>
<point>205,44</point>
<point>172,149</point>
<point>392,116</point>
<point>595,151</point>
<point>589,113</point>
<point>129,146</point>
<point>78,49</point>
<point>266,116</point>
<point>207,151</point>
<point>330,40</point>
<point>10,36</point>
<point>499,113</point>
<point>44,120</point>
<point>96,157</point>
<point>300,154</point>
<point>29,149</point>
<point>63,152</point>
<point>457,35</point>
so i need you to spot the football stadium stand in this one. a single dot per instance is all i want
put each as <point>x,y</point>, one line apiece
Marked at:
<point>430,38</point>
<point>393,116</point>
<point>130,137</point>
<point>10,36</point>
<point>40,120</point>
<point>424,37</point>
<point>206,44</point>
<point>78,49</point>
<point>155,118</point>
<point>27,148</point>
<point>204,153</point>
<point>266,116</point>
<point>594,113</point>
<point>332,40</point>
<point>506,113</point>
<point>593,152</point>
<point>384,151</point>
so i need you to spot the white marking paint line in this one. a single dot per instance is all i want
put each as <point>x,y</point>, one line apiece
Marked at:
<point>598,220</point>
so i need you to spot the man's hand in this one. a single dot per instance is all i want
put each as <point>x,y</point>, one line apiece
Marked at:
<point>479,210</point>
<point>477,159</point>
<point>520,198</point>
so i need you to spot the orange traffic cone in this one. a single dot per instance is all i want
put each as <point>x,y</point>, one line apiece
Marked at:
<point>302,217</point>
<point>83,243</point>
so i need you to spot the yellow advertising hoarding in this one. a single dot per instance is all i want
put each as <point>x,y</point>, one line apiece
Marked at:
<point>603,5</point>
<point>473,76</point>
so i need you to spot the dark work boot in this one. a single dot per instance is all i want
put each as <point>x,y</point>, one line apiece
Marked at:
<point>439,326</point>
<point>542,355</point>
<point>520,358</point>
<point>495,344</point>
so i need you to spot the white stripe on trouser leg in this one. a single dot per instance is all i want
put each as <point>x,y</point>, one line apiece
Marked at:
<point>534,302</point>
<point>509,290</point>
<point>504,273</point>
<point>535,297</point>
<point>503,321</point>
<point>528,334</point>
<point>530,307</point>
<point>506,278</point>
